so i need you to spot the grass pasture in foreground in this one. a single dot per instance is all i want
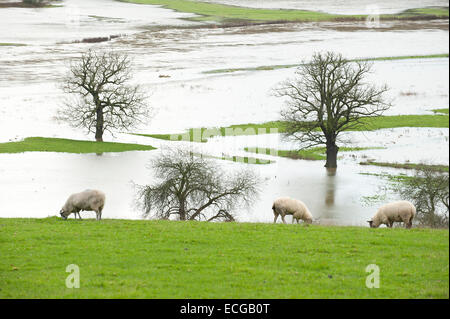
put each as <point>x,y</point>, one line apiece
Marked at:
<point>367,124</point>
<point>220,13</point>
<point>47,144</point>
<point>167,259</point>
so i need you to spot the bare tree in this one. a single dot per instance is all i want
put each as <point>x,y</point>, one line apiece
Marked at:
<point>103,98</point>
<point>195,188</point>
<point>428,190</point>
<point>327,97</point>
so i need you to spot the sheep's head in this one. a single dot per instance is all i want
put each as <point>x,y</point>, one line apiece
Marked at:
<point>63,214</point>
<point>372,224</point>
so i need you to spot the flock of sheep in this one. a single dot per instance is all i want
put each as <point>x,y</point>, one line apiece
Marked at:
<point>401,211</point>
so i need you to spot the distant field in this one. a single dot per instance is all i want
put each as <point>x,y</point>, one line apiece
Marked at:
<point>231,14</point>
<point>168,259</point>
<point>368,124</point>
<point>46,144</point>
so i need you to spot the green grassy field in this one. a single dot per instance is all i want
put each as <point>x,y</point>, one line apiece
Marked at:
<point>164,259</point>
<point>47,144</point>
<point>367,124</point>
<point>228,14</point>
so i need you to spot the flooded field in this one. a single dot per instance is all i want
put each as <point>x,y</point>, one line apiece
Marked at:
<point>177,62</point>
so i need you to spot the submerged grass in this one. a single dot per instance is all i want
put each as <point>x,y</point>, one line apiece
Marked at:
<point>220,13</point>
<point>190,260</point>
<point>367,124</point>
<point>46,144</point>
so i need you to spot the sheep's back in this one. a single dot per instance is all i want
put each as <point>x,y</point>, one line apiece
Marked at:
<point>397,210</point>
<point>290,205</point>
<point>88,199</point>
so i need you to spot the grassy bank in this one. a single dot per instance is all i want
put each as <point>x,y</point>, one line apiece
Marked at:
<point>163,259</point>
<point>220,13</point>
<point>367,124</point>
<point>437,168</point>
<point>285,66</point>
<point>46,144</point>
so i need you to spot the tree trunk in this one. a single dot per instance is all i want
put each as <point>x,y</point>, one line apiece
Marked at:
<point>332,150</point>
<point>99,125</point>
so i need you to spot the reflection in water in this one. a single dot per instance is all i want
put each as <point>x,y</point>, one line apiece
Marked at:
<point>330,187</point>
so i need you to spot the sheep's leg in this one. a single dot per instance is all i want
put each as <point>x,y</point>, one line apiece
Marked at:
<point>282,217</point>
<point>99,213</point>
<point>275,219</point>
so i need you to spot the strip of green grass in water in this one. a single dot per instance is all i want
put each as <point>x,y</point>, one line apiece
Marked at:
<point>238,159</point>
<point>437,168</point>
<point>442,111</point>
<point>12,45</point>
<point>45,144</point>
<point>313,153</point>
<point>198,260</point>
<point>368,124</point>
<point>286,66</point>
<point>227,13</point>
<point>201,135</point>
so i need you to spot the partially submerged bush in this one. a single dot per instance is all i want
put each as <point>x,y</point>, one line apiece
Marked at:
<point>195,188</point>
<point>428,190</point>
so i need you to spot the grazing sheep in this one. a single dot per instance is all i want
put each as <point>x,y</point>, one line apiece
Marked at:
<point>402,211</point>
<point>93,200</point>
<point>288,206</point>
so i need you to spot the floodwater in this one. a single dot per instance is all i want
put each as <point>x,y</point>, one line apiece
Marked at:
<point>171,59</point>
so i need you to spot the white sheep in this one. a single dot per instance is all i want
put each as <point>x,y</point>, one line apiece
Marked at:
<point>87,200</point>
<point>288,206</point>
<point>401,211</point>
